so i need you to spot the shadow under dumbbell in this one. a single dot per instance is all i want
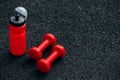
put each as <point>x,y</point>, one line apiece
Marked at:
<point>57,61</point>
<point>47,52</point>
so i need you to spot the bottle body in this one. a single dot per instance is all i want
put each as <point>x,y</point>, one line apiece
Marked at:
<point>17,37</point>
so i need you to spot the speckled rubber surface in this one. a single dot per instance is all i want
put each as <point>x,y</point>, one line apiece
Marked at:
<point>88,29</point>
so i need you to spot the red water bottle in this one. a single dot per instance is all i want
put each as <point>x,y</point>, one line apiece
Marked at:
<point>17,32</point>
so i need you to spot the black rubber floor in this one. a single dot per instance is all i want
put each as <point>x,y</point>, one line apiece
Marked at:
<point>88,29</point>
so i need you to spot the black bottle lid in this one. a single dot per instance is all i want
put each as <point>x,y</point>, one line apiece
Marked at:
<point>17,20</point>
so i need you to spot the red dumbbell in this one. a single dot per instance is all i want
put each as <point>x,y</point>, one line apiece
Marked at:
<point>44,65</point>
<point>36,52</point>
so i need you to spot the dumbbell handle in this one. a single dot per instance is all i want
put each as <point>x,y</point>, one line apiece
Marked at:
<point>43,45</point>
<point>52,56</point>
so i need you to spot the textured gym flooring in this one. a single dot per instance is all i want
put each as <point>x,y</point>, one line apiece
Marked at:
<point>88,29</point>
